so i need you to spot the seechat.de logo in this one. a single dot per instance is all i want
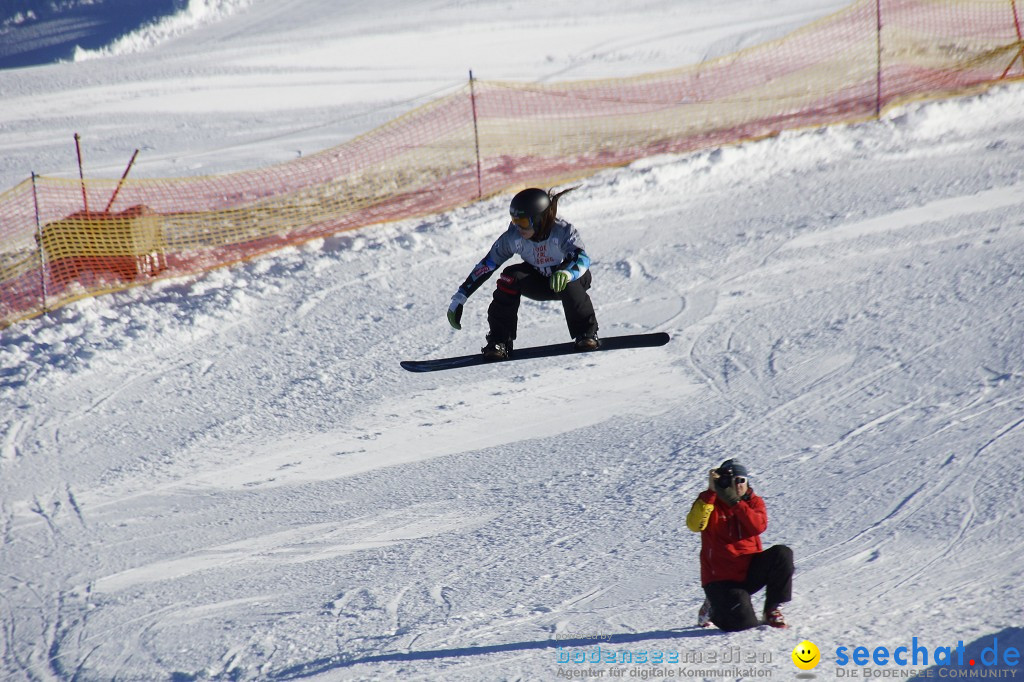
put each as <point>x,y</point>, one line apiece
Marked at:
<point>916,654</point>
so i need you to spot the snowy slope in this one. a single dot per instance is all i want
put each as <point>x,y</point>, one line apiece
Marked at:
<point>229,477</point>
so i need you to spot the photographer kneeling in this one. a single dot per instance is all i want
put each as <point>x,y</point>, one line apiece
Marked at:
<point>730,518</point>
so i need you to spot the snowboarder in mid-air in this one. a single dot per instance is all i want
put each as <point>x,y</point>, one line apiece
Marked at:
<point>556,268</point>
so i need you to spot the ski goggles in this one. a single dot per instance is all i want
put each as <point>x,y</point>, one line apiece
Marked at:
<point>523,223</point>
<point>739,479</point>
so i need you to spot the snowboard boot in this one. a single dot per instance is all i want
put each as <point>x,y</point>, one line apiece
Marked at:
<point>588,342</point>
<point>497,349</point>
<point>704,615</point>
<point>774,618</point>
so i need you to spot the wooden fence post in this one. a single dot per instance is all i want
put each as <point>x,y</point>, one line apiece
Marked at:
<point>39,239</point>
<point>476,138</point>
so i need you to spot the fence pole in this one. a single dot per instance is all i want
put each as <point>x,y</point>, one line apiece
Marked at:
<point>81,174</point>
<point>121,182</point>
<point>1020,43</point>
<point>476,138</point>
<point>878,58</point>
<point>39,239</point>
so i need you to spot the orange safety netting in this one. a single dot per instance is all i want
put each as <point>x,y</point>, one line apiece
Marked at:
<point>64,239</point>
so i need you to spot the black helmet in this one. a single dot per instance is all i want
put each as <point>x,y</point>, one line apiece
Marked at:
<point>530,203</point>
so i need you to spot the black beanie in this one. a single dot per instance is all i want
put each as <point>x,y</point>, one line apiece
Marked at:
<point>734,466</point>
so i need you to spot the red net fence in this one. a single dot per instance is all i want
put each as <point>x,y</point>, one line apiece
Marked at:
<point>61,240</point>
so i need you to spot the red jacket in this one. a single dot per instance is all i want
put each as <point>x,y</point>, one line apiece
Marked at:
<point>729,536</point>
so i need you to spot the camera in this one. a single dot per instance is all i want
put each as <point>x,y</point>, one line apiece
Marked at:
<point>724,479</point>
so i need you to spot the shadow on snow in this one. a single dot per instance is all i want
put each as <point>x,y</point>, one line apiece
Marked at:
<point>329,663</point>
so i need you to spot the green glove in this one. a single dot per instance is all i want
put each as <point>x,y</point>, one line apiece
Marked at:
<point>559,281</point>
<point>455,310</point>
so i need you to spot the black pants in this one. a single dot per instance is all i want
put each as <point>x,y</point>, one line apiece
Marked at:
<point>731,609</point>
<point>521,280</point>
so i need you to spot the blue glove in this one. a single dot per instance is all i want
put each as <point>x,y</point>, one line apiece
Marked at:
<point>559,281</point>
<point>455,310</point>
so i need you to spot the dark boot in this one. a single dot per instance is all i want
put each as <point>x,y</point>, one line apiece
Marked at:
<point>497,348</point>
<point>588,342</point>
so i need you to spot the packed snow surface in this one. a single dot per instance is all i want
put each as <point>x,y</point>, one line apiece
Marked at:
<point>229,477</point>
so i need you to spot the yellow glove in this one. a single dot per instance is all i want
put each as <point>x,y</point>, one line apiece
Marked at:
<point>559,281</point>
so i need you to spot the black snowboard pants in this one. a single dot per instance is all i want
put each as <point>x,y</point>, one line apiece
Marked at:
<point>521,280</point>
<point>731,609</point>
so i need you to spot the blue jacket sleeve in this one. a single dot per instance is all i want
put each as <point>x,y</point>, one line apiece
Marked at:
<point>481,272</point>
<point>502,249</point>
<point>576,263</point>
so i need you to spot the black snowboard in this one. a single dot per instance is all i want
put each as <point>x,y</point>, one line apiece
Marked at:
<point>607,343</point>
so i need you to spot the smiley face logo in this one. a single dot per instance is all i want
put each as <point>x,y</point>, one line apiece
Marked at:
<point>806,655</point>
